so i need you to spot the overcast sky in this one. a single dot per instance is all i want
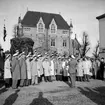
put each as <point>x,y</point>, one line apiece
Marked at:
<point>82,12</point>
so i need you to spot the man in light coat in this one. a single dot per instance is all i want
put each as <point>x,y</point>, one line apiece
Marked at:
<point>46,66</point>
<point>86,69</point>
<point>28,81</point>
<point>7,72</point>
<point>80,70</point>
<point>34,71</point>
<point>15,70</point>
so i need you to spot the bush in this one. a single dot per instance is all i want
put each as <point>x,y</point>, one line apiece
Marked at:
<point>21,44</point>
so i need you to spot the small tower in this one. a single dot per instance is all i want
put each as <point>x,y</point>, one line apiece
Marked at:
<point>19,22</point>
<point>71,26</point>
<point>19,27</point>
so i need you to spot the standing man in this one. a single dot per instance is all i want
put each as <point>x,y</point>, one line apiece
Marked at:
<point>2,60</point>
<point>34,70</point>
<point>7,71</point>
<point>23,69</point>
<point>15,70</point>
<point>46,66</point>
<point>28,81</point>
<point>102,69</point>
<point>72,70</point>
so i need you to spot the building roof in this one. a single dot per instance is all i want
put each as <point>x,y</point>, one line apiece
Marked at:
<point>76,43</point>
<point>31,18</point>
<point>101,16</point>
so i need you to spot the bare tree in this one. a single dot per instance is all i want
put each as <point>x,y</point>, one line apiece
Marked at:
<point>85,44</point>
<point>96,51</point>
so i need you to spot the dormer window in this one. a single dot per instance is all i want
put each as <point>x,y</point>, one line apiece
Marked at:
<point>53,27</point>
<point>40,26</point>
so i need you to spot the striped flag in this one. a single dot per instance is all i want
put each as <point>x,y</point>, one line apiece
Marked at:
<point>5,34</point>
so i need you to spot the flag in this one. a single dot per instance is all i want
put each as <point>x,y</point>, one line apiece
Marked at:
<point>4,33</point>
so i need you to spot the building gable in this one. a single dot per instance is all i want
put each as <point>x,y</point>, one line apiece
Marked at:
<point>40,25</point>
<point>53,26</point>
<point>31,19</point>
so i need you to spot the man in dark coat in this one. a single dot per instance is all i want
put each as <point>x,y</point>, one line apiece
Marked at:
<point>72,70</point>
<point>23,70</point>
<point>15,70</point>
<point>2,60</point>
<point>102,69</point>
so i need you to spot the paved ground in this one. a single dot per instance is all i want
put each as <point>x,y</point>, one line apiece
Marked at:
<point>56,93</point>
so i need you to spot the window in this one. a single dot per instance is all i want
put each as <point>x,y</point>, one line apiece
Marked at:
<point>40,27</point>
<point>27,29</point>
<point>53,29</point>
<point>64,32</point>
<point>64,43</point>
<point>52,42</point>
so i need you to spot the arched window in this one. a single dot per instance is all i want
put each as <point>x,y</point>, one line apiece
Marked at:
<point>40,27</point>
<point>53,28</point>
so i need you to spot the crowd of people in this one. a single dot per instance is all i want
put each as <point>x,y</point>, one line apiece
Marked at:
<point>89,68</point>
<point>24,70</point>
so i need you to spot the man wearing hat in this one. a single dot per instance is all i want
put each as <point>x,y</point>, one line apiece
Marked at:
<point>7,71</point>
<point>72,70</point>
<point>34,70</point>
<point>15,68</point>
<point>2,60</point>
<point>28,81</point>
<point>23,69</point>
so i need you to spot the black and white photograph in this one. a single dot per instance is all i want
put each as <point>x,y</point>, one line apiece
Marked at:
<point>52,52</point>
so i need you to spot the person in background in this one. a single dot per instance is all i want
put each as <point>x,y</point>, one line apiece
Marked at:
<point>98,68</point>
<point>86,69</point>
<point>7,72</point>
<point>52,72</point>
<point>46,67</point>
<point>89,63</point>
<point>2,60</point>
<point>80,70</point>
<point>102,68</point>
<point>95,68</point>
<point>23,69</point>
<point>34,70</point>
<point>65,72</point>
<point>55,65</point>
<point>72,70</point>
<point>59,70</point>
<point>40,67</point>
<point>28,81</point>
<point>15,68</point>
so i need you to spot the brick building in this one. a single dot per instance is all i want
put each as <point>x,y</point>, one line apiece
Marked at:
<point>49,31</point>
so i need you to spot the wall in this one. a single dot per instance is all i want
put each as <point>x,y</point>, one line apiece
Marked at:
<point>44,39</point>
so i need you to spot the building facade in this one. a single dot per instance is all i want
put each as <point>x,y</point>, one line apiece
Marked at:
<point>101,20</point>
<point>48,31</point>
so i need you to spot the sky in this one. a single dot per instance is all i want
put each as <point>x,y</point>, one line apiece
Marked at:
<point>82,12</point>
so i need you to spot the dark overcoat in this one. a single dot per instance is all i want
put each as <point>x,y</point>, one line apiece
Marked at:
<point>23,68</point>
<point>72,66</point>
<point>15,67</point>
